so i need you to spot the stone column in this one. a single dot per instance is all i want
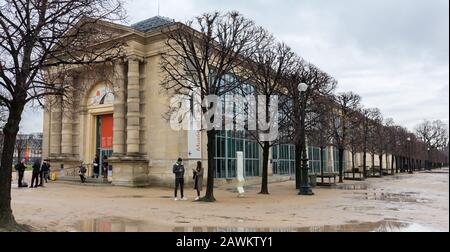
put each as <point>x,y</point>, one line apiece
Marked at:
<point>119,111</point>
<point>67,123</point>
<point>331,158</point>
<point>133,112</point>
<point>47,129</point>
<point>56,127</point>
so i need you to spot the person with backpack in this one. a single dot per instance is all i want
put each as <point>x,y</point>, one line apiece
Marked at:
<point>20,168</point>
<point>82,173</point>
<point>178,170</point>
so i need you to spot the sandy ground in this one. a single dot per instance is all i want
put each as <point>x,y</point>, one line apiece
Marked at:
<point>418,202</point>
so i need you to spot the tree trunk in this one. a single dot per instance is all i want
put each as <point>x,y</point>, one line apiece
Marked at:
<point>381,164</point>
<point>392,164</point>
<point>265,169</point>
<point>321,162</point>
<point>353,164</point>
<point>373,165</point>
<point>209,197</point>
<point>387,163</point>
<point>365,164</point>
<point>10,131</point>
<point>341,165</point>
<point>298,165</point>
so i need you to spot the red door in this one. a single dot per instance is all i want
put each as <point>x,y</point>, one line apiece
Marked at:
<point>107,132</point>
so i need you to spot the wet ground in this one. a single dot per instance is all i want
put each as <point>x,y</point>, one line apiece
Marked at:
<point>124,225</point>
<point>401,203</point>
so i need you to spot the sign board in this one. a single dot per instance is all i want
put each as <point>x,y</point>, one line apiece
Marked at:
<point>195,144</point>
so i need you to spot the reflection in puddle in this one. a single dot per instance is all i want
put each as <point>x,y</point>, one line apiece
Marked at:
<point>111,225</point>
<point>126,225</point>
<point>394,197</point>
<point>352,187</point>
<point>383,226</point>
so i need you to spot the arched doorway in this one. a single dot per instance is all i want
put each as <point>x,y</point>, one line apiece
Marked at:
<point>99,137</point>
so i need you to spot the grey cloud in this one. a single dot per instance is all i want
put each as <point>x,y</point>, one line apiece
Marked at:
<point>395,54</point>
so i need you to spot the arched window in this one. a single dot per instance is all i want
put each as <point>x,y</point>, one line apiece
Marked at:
<point>101,94</point>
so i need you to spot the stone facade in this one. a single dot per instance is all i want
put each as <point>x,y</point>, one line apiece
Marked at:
<point>144,146</point>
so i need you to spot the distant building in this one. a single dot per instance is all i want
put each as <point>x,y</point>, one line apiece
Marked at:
<point>28,146</point>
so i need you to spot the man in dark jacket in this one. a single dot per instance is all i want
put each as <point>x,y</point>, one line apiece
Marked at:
<point>178,170</point>
<point>20,168</point>
<point>36,172</point>
<point>43,174</point>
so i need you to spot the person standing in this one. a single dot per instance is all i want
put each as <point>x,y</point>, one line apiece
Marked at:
<point>105,167</point>
<point>82,173</point>
<point>198,179</point>
<point>178,170</point>
<point>20,168</point>
<point>45,172</point>
<point>96,164</point>
<point>36,172</point>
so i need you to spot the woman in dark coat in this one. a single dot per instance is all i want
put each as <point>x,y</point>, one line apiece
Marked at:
<point>96,164</point>
<point>198,179</point>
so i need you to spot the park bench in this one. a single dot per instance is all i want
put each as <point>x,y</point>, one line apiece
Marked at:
<point>355,174</point>
<point>328,176</point>
<point>373,172</point>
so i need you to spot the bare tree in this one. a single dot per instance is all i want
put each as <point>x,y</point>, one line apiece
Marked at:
<point>368,116</point>
<point>320,84</point>
<point>346,105</point>
<point>320,134</point>
<point>41,41</point>
<point>266,70</point>
<point>382,139</point>
<point>201,55</point>
<point>391,143</point>
<point>20,146</point>
<point>355,134</point>
<point>434,135</point>
<point>375,122</point>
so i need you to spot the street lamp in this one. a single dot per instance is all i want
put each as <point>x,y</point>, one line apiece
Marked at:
<point>429,159</point>
<point>409,154</point>
<point>305,188</point>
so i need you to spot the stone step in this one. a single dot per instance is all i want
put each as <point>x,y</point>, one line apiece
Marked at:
<point>89,181</point>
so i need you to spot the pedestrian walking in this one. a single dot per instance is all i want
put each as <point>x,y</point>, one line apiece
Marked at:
<point>82,173</point>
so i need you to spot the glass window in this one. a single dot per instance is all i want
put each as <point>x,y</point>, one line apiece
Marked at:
<point>227,144</point>
<point>283,159</point>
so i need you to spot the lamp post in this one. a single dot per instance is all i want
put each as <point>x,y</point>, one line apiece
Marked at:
<point>305,188</point>
<point>409,154</point>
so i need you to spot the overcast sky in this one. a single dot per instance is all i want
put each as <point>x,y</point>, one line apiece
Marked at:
<point>394,53</point>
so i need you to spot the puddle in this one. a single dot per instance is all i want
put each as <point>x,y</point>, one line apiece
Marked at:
<point>127,225</point>
<point>394,197</point>
<point>350,187</point>
<point>128,197</point>
<point>382,226</point>
<point>354,187</point>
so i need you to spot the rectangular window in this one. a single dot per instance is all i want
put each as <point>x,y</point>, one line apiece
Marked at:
<point>227,144</point>
<point>283,159</point>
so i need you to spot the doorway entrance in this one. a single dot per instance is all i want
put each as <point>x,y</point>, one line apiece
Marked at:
<point>104,143</point>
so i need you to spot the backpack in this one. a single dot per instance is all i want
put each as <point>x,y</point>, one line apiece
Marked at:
<point>83,169</point>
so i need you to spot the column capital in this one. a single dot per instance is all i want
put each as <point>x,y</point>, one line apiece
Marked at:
<point>134,57</point>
